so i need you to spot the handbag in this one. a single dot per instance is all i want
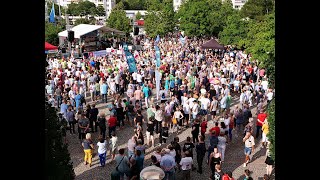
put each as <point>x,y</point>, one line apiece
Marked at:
<point>174,120</point>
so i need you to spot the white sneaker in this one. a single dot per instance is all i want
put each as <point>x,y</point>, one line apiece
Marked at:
<point>244,164</point>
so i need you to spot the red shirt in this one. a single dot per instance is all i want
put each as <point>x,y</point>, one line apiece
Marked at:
<point>261,117</point>
<point>203,127</point>
<point>217,129</point>
<point>112,121</point>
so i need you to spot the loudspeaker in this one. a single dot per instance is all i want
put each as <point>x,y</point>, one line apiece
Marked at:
<point>70,36</point>
<point>136,31</point>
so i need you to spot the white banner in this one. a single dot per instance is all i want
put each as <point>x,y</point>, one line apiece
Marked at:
<point>108,50</point>
<point>129,47</point>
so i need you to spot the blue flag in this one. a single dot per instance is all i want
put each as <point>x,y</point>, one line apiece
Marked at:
<point>125,46</point>
<point>131,62</point>
<point>157,39</point>
<point>158,54</point>
<point>52,14</point>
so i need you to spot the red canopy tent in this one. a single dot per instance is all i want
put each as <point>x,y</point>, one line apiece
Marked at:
<point>49,46</point>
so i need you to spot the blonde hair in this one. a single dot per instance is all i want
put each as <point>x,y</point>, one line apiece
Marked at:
<point>88,136</point>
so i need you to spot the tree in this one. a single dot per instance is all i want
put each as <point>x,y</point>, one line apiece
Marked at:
<point>138,15</point>
<point>51,33</point>
<point>135,4</point>
<point>73,9</point>
<point>197,17</point>
<point>271,134</point>
<point>118,19</point>
<point>58,162</point>
<point>256,9</point>
<point>82,8</point>
<point>260,42</point>
<point>153,23</point>
<point>84,21</point>
<point>234,31</point>
<point>101,11</point>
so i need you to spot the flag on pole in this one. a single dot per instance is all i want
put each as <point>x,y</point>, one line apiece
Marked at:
<point>158,56</point>
<point>131,62</point>
<point>125,47</point>
<point>52,14</point>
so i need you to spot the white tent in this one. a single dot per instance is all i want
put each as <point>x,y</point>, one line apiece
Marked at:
<point>83,29</point>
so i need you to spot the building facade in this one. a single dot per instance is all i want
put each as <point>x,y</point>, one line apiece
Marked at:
<point>108,6</point>
<point>177,4</point>
<point>237,4</point>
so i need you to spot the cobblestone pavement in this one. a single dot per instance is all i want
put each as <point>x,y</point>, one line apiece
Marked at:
<point>234,155</point>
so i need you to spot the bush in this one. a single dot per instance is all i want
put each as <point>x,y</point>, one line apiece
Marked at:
<point>271,134</point>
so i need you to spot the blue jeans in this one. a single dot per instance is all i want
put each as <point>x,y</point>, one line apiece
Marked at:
<point>59,100</point>
<point>102,159</point>
<point>169,175</point>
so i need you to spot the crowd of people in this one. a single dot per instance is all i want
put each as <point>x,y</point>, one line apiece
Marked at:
<point>197,86</point>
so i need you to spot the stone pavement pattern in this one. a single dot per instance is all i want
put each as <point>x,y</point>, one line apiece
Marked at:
<point>234,155</point>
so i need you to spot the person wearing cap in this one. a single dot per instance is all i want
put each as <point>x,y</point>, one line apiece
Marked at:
<point>167,164</point>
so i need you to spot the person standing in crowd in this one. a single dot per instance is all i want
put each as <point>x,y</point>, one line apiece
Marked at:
<point>215,158</point>
<point>222,144</point>
<point>265,131</point>
<point>104,92</point>
<point>248,147</point>
<point>83,124</point>
<point>88,147</point>
<point>102,150</point>
<point>101,121</point>
<point>113,145</point>
<point>269,161</point>
<point>260,120</point>
<point>93,116</point>
<point>112,123</point>
<point>195,131</point>
<point>247,175</point>
<point>123,164</point>
<point>186,165</point>
<point>201,151</point>
<point>149,133</point>
<point>132,143</point>
<point>167,164</point>
<point>70,116</point>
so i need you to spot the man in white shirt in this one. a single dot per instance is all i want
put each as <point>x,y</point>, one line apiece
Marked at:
<point>205,104</point>
<point>186,166</point>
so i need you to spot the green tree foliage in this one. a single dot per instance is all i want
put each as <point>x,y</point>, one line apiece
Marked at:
<point>84,8</point>
<point>271,134</point>
<point>200,17</point>
<point>118,19</point>
<point>84,21</point>
<point>256,9</point>
<point>51,33</point>
<point>135,4</point>
<point>101,11</point>
<point>138,15</point>
<point>260,42</point>
<point>58,162</point>
<point>235,31</point>
<point>159,18</point>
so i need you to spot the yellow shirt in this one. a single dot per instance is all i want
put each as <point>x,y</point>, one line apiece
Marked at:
<point>265,128</point>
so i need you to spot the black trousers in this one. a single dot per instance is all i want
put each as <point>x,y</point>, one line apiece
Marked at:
<point>103,132</point>
<point>71,124</point>
<point>95,127</point>
<point>112,129</point>
<point>199,161</point>
<point>158,126</point>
